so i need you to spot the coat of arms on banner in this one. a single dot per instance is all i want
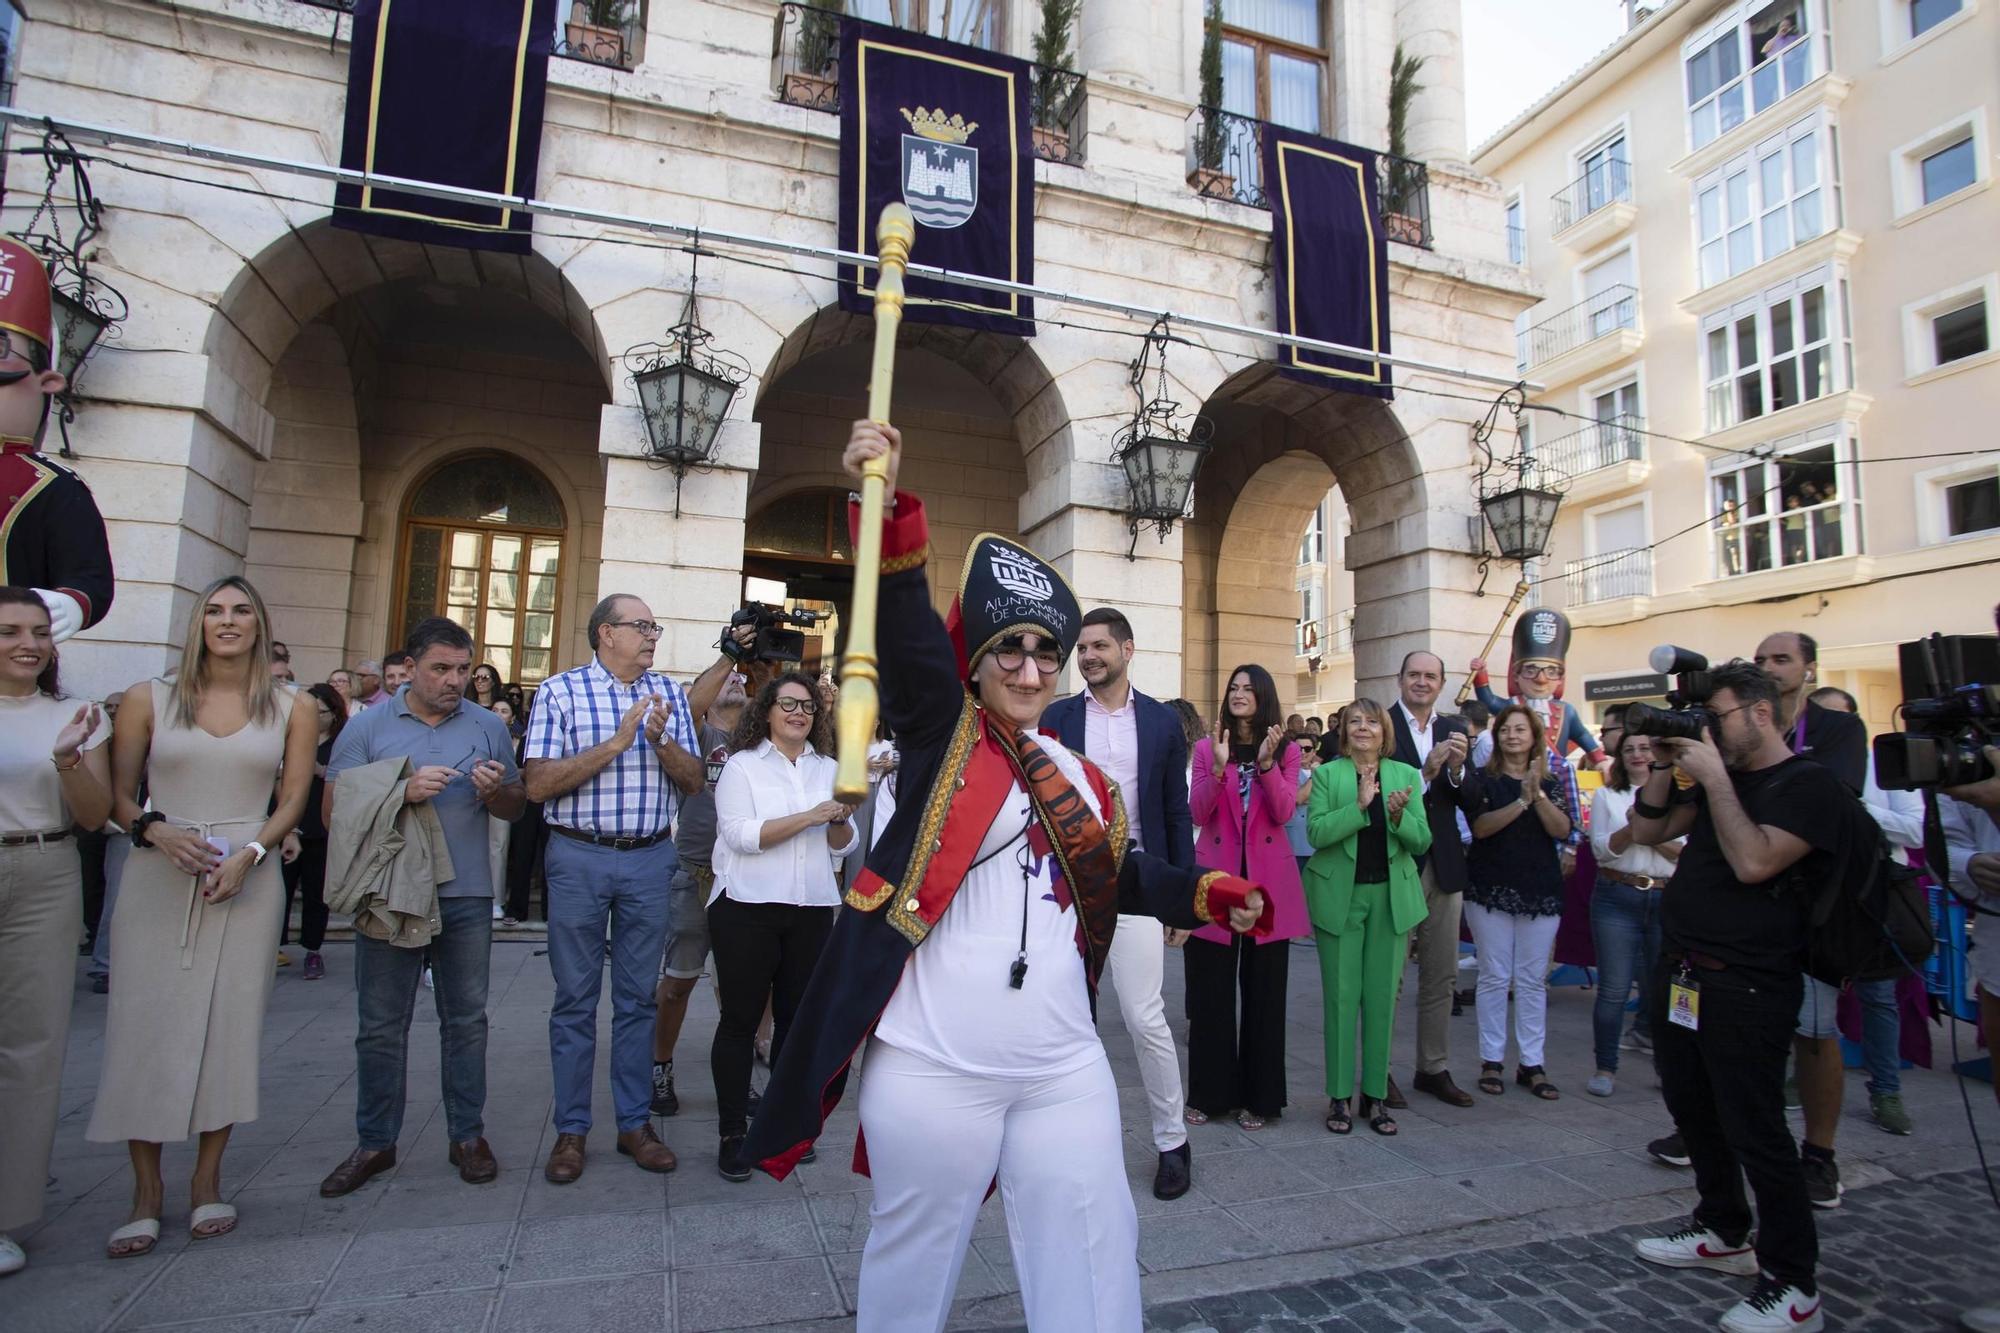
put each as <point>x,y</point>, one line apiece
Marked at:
<point>940,170</point>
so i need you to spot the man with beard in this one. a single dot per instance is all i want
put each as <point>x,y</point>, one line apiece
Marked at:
<point>463,765</point>
<point>1139,744</point>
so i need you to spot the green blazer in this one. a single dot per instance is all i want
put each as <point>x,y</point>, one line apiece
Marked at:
<point>1333,822</point>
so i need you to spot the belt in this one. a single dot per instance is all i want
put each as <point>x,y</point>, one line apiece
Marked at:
<point>606,840</point>
<point>1636,881</point>
<point>32,839</point>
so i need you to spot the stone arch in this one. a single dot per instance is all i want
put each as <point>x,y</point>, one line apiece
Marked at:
<point>1280,445</point>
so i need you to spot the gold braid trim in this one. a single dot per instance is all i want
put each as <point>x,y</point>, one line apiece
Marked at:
<point>1201,887</point>
<point>896,564</point>
<point>907,923</point>
<point>1120,824</point>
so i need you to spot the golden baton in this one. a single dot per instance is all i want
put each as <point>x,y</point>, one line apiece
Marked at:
<point>1486,653</point>
<point>895,231</point>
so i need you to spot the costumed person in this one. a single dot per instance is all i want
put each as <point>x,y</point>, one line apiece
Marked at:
<point>51,535</point>
<point>1541,643</point>
<point>1007,860</point>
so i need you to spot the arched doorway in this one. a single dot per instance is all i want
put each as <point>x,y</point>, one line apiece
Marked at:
<point>482,543</point>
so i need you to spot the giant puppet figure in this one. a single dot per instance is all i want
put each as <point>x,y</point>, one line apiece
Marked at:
<point>1541,643</point>
<point>51,535</point>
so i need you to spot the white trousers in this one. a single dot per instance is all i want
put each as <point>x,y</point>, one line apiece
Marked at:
<point>1136,965</point>
<point>937,1138</point>
<point>1513,952</point>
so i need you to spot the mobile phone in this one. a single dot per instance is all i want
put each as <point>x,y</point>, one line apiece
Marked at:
<point>221,846</point>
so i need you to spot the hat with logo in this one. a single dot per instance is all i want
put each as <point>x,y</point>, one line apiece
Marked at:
<point>24,295</point>
<point>1006,589</point>
<point>1541,636</point>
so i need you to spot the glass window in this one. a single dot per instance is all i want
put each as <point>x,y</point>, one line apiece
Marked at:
<point>1750,67</point>
<point>1789,511</point>
<point>1972,506</point>
<point>1769,359</point>
<point>973,22</point>
<point>1517,237</point>
<point>1927,14</point>
<point>1758,206</point>
<point>1274,62</point>
<point>1960,333</point>
<point>1949,170</point>
<point>1312,546</point>
<point>1715,87</point>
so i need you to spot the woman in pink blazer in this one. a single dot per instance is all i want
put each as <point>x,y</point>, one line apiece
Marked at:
<point>1246,783</point>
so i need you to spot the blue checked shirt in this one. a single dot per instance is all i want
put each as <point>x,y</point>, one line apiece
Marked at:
<point>631,798</point>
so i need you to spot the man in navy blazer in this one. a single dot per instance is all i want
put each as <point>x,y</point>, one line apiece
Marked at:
<point>1139,744</point>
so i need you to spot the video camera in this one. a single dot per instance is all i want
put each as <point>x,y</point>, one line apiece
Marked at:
<point>1688,711</point>
<point>1950,716</point>
<point>774,642</point>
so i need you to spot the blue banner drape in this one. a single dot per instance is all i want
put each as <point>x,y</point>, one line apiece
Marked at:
<point>447,92</point>
<point>943,128</point>
<point>1329,257</point>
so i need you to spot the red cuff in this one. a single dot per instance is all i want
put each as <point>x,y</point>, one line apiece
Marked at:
<point>1217,892</point>
<point>1481,678</point>
<point>906,533</point>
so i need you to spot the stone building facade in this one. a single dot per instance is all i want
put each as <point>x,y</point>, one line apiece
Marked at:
<point>373,429</point>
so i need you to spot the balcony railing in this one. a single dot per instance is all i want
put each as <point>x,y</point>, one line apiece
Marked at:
<point>1225,160</point>
<point>1610,575</point>
<point>805,71</point>
<point>1599,445</point>
<point>1606,312</point>
<point>1609,182</point>
<point>614,44</point>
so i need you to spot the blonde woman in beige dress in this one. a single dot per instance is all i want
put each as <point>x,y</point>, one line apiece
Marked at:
<point>55,773</point>
<point>199,903</point>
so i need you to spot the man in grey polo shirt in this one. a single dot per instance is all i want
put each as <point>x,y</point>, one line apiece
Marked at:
<point>463,764</point>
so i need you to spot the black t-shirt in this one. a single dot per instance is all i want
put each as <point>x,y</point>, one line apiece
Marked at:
<point>1834,740</point>
<point>1757,928</point>
<point>1371,850</point>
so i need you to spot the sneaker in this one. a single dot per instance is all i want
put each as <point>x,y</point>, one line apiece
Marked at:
<point>1980,1319</point>
<point>1636,1040</point>
<point>754,1105</point>
<point>665,1100</point>
<point>1601,1084</point>
<point>729,1160</point>
<point>429,982</point>
<point>284,959</point>
<point>1698,1247</point>
<point>1792,1100</point>
<point>499,913</point>
<point>1887,1108</point>
<point>1823,1185</point>
<point>1774,1305</point>
<point>12,1257</point>
<point>315,967</point>
<point>1671,1150</point>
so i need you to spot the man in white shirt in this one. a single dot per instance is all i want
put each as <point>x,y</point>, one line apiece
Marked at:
<point>1139,744</point>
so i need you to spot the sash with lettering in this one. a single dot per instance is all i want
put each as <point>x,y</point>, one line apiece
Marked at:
<point>1329,258</point>
<point>451,93</point>
<point>943,128</point>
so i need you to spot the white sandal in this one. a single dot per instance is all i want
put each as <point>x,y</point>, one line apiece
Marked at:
<point>146,1229</point>
<point>212,1212</point>
<point>12,1257</point>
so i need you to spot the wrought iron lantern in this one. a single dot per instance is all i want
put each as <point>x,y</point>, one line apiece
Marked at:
<point>685,387</point>
<point>1160,460</point>
<point>1522,516</point>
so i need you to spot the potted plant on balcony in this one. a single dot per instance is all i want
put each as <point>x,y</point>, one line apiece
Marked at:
<point>1052,79</point>
<point>1208,177</point>
<point>1397,181</point>
<point>596,30</point>
<point>814,82</point>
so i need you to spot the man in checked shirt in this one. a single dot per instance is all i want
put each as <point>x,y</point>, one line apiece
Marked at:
<point>610,750</point>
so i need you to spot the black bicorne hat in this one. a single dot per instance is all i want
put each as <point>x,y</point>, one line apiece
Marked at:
<point>1541,635</point>
<point>1007,589</point>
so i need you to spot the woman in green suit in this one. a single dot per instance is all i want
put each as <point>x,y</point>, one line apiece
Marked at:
<point>1367,826</point>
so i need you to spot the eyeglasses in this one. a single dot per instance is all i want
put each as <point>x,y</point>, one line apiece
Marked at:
<point>1047,660</point>
<point>793,704</point>
<point>1542,672</point>
<point>9,349</point>
<point>648,629</point>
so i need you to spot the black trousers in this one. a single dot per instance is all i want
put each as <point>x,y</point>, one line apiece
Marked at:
<point>760,950</point>
<point>306,879</point>
<point>524,862</point>
<point>1236,1061</point>
<point>1724,1083</point>
<point>90,851</point>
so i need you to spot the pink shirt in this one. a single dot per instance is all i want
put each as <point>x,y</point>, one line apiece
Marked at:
<point>1111,739</point>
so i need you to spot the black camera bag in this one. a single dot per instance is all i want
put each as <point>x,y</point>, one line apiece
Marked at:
<point>1869,921</point>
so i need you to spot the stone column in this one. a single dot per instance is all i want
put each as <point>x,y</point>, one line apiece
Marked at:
<point>1435,131</point>
<point>1117,40</point>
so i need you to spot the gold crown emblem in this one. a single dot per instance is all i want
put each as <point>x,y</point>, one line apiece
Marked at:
<point>936,125</point>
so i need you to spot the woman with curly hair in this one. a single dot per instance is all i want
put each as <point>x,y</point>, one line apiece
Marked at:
<point>778,831</point>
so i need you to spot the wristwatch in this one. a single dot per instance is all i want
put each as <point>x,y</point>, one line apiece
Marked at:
<point>254,846</point>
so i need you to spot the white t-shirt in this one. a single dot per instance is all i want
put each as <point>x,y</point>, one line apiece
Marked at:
<point>30,788</point>
<point>954,1006</point>
<point>1611,810</point>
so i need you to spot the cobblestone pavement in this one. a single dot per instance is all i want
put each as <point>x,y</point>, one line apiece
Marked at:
<point>1286,1208</point>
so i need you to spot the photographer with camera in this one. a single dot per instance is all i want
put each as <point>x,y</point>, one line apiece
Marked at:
<point>1727,990</point>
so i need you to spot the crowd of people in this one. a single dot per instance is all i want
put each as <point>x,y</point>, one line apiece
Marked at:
<point>1032,845</point>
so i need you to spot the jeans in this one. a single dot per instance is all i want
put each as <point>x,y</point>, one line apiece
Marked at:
<point>1625,931</point>
<point>1881,1036</point>
<point>1724,1085</point>
<point>590,887</point>
<point>761,950</point>
<point>386,980</point>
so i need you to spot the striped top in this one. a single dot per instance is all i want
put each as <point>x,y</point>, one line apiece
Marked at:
<point>581,708</point>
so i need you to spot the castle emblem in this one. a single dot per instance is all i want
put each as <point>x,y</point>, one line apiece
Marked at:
<point>940,169</point>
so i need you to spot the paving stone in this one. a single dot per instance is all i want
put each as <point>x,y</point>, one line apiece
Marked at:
<point>551,1248</point>
<point>1411,1206</point>
<point>207,1281</point>
<point>412,1263</point>
<point>447,1312</point>
<point>62,1298</point>
<point>636,1303</point>
<point>748,1295</point>
<point>777,1229</point>
<point>1324,1221</point>
<point>1188,1240</point>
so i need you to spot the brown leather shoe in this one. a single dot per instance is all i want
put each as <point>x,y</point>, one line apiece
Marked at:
<point>353,1173</point>
<point>643,1146</point>
<point>474,1161</point>
<point>1395,1101</point>
<point>1440,1086</point>
<point>565,1160</point>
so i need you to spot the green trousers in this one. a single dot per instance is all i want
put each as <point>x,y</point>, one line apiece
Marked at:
<point>1359,970</point>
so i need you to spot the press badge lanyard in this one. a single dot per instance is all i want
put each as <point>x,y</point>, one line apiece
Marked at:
<point>1684,1000</point>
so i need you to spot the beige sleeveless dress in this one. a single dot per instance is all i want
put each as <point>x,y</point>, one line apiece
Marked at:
<point>190,978</point>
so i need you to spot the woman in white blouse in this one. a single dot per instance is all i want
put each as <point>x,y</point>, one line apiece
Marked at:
<point>1624,906</point>
<point>778,832</point>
